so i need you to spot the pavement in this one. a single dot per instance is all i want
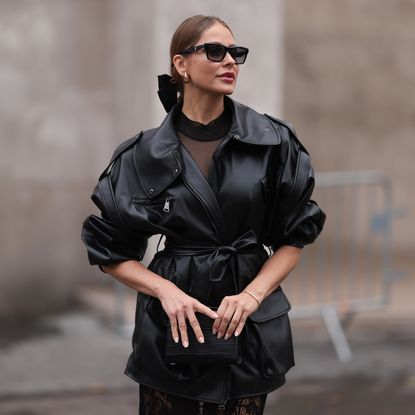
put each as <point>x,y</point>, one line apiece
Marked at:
<point>73,362</point>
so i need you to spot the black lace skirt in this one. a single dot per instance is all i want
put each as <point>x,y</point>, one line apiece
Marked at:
<point>155,402</point>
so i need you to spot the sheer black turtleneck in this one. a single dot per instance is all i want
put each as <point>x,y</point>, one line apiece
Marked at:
<point>201,140</point>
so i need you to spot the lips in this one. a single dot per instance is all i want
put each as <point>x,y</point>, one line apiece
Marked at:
<point>228,75</point>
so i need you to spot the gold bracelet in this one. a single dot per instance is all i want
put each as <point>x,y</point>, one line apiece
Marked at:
<point>253,296</point>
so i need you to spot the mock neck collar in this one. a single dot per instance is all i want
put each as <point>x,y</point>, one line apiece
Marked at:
<point>214,130</point>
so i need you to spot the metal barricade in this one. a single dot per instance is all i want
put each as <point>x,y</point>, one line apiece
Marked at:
<point>349,269</point>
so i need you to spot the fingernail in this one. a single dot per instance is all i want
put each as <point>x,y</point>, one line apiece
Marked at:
<point>185,344</point>
<point>236,333</point>
<point>176,340</point>
<point>227,336</point>
<point>216,315</point>
<point>214,331</point>
<point>219,335</point>
<point>201,339</point>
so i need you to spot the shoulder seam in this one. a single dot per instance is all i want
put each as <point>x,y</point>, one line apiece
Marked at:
<point>291,129</point>
<point>284,123</point>
<point>122,148</point>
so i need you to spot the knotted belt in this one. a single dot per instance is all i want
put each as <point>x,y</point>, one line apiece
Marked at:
<point>220,257</point>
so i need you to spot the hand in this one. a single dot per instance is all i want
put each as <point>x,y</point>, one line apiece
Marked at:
<point>178,306</point>
<point>233,312</point>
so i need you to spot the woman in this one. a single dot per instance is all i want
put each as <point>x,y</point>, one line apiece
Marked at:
<point>220,181</point>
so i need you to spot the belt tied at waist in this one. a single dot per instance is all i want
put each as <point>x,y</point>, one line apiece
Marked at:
<point>219,258</point>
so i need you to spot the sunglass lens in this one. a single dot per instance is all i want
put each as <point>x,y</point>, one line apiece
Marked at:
<point>215,53</point>
<point>239,54</point>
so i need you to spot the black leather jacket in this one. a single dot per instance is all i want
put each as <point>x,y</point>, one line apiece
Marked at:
<point>261,181</point>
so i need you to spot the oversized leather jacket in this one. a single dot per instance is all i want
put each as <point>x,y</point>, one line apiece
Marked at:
<point>258,194</point>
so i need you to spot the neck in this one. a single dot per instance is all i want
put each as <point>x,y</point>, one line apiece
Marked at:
<point>202,108</point>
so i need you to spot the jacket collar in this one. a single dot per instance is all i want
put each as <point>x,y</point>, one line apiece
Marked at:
<point>157,158</point>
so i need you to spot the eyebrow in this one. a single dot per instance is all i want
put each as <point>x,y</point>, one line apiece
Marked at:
<point>219,43</point>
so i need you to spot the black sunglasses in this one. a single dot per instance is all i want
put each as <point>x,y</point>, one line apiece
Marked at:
<point>216,52</point>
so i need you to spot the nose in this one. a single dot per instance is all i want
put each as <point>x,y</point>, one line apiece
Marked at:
<point>228,59</point>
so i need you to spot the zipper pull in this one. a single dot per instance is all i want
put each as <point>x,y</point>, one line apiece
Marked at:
<point>166,207</point>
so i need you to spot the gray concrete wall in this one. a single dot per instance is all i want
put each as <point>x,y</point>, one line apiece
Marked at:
<point>77,78</point>
<point>348,89</point>
<point>54,76</point>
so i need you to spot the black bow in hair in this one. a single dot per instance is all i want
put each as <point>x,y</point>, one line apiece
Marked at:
<point>167,91</point>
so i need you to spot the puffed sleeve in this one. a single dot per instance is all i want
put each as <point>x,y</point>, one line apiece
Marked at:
<point>106,243</point>
<point>294,219</point>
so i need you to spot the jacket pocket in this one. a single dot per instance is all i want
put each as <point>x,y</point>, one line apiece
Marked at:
<point>275,305</point>
<point>155,211</point>
<point>272,326</point>
<point>165,203</point>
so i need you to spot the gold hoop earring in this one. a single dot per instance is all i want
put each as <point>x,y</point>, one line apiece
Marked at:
<point>186,78</point>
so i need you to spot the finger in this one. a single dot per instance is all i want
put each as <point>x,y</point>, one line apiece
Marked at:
<point>241,324</point>
<point>220,312</point>
<point>233,323</point>
<point>225,320</point>
<point>174,331</point>
<point>183,329</point>
<point>196,326</point>
<point>201,308</point>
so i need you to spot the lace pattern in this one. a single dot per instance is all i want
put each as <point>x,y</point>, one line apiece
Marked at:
<point>155,402</point>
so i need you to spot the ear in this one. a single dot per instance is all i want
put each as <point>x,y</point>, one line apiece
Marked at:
<point>179,63</point>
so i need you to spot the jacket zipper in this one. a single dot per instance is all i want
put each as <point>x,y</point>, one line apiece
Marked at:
<point>165,202</point>
<point>166,207</point>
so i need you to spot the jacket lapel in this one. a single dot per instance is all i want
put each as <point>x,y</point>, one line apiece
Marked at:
<point>156,157</point>
<point>201,188</point>
<point>248,126</point>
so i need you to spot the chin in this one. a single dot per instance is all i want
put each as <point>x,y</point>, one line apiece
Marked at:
<point>224,91</point>
<point>219,90</point>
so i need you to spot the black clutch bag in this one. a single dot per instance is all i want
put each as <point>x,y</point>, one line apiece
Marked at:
<point>212,351</point>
